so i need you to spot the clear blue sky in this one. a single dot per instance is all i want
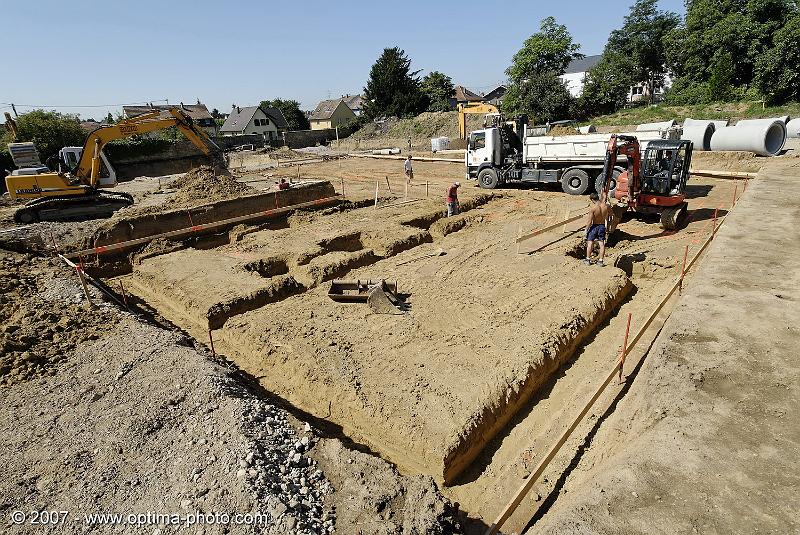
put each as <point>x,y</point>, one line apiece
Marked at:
<point>59,53</point>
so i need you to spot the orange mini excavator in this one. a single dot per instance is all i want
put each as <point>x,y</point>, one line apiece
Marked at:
<point>654,183</point>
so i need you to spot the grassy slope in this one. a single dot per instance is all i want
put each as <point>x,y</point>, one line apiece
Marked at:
<point>719,110</point>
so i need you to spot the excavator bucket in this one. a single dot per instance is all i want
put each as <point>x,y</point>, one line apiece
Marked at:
<point>382,301</point>
<point>380,295</point>
<point>617,211</point>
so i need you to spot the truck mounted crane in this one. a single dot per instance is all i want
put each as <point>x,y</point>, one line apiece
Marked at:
<point>79,192</point>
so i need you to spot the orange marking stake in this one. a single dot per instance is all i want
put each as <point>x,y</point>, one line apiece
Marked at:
<point>683,269</point>
<point>624,347</point>
<point>735,192</point>
<point>714,227</point>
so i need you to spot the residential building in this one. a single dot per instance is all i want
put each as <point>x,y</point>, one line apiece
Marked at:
<point>268,122</point>
<point>330,114</point>
<point>198,112</point>
<point>496,95</point>
<point>575,75</point>
<point>354,102</point>
<point>462,95</point>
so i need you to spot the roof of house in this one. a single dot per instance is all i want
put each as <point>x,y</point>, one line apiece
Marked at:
<point>354,102</point>
<point>462,94</point>
<point>195,111</point>
<point>239,118</point>
<point>498,91</point>
<point>91,126</point>
<point>326,108</point>
<point>582,64</point>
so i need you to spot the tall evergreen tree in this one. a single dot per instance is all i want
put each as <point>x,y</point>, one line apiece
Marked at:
<point>393,89</point>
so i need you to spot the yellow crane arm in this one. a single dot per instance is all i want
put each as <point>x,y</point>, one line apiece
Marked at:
<point>88,167</point>
<point>472,109</point>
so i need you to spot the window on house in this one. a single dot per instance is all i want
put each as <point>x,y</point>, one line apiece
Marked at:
<point>258,122</point>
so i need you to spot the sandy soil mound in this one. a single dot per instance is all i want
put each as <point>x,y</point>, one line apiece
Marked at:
<point>728,161</point>
<point>200,185</point>
<point>282,153</point>
<point>563,131</point>
<point>37,332</point>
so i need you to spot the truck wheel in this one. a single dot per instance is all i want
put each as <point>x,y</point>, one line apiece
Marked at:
<point>612,187</point>
<point>488,179</point>
<point>575,181</point>
<point>673,218</point>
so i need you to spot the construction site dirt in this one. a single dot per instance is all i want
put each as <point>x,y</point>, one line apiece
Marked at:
<point>497,344</point>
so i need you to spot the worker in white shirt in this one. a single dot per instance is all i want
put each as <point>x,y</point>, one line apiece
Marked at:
<point>409,170</point>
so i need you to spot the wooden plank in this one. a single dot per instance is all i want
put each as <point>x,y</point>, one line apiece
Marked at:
<point>537,232</point>
<point>193,230</point>
<point>725,174</point>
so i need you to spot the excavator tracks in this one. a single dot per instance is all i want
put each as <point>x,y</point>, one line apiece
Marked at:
<point>95,205</point>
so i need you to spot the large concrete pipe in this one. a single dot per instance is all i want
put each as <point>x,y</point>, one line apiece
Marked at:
<point>652,127</point>
<point>699,133</point>
<point>747,122</point>
<point>695,122</point>
<point>793,128</point>
<point>588,129</point>
<point>763,138</point>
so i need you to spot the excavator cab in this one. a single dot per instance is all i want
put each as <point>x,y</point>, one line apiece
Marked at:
<point>665,167</point>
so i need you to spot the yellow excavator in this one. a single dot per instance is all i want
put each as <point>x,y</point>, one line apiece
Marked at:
<point>79,193</point>
<point>475,108</point>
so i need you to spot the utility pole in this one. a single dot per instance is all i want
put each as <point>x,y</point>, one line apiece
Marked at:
<point>14,109</point>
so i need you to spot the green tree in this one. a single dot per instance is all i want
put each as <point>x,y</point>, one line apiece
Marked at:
<point>606,87</point>
<point>295,117</point>
<point>392,88</point>
<point>438,87</point>
<point>50,131</point>
<point>641,39</point>
<point>778,69</point>
<point>534,86</point>
<point>720,82</point>
<point>542,96</point>
<point>747,30</point>
<point>109,118</point>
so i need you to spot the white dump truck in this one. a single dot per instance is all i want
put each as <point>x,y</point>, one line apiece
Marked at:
<point>498,155</point>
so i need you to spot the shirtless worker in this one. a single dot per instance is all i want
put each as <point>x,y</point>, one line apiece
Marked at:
<point>596,227</point>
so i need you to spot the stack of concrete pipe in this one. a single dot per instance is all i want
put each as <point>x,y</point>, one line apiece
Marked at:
<point>765,137</point>
<point>793,128</point>
<point>700,132</point>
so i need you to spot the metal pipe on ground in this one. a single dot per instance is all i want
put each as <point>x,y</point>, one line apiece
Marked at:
<point>699,133</point>
<point>763,136</point>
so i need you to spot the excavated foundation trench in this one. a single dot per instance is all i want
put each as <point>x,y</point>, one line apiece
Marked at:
<point>427,389</point>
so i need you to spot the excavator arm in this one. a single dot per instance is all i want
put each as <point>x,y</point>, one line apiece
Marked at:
<point>472,109</point>
<point>88,168</point>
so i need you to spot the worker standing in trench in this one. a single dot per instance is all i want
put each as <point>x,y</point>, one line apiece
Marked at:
<point>596,227</point>
<point>452,199</point>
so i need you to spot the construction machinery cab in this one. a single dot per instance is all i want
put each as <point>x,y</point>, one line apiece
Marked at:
<point>665,167</point>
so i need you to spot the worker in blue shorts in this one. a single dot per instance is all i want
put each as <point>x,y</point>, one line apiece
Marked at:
<point>596,228</point>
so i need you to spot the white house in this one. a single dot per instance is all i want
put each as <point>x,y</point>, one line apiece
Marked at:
<point>575,75</point>
<point>268,122</point>
<point>575,78</point>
